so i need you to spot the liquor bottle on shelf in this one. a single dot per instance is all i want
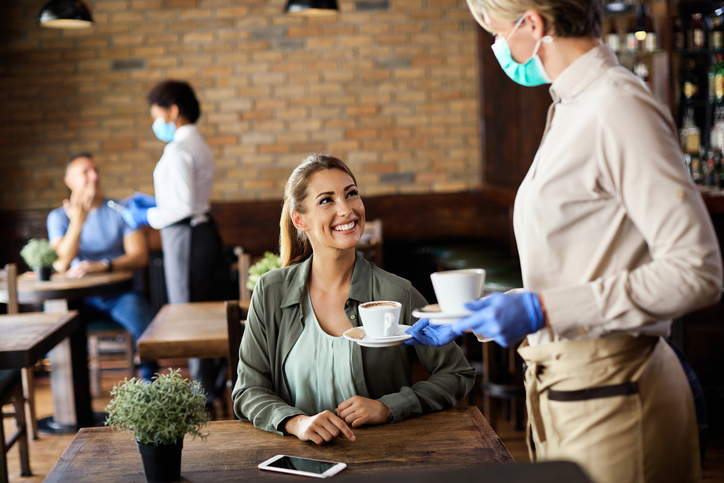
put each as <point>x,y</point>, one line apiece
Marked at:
<point>689,81</point>
<point>717,130</point>
<point>717,67</point>
<point>710,174</point>
<point>716,36</point>
<point>632,43</point>
<point>613,40</point>
<point>696,172</point>
<point>690,134</point>
<point>711,81</point>
<point>695,35</point>
<point>679,37</point>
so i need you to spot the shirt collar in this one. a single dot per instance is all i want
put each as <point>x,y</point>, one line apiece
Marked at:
<point>584,70</point>
<point>184,131</point>
<point>359,290</point>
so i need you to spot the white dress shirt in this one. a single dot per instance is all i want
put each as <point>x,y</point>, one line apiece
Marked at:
<point>611,231</point>
<point>182,179</point>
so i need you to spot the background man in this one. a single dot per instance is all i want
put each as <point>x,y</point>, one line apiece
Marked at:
<point>90,237</point>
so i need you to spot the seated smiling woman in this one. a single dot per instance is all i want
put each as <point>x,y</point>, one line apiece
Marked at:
<point>297,374</point>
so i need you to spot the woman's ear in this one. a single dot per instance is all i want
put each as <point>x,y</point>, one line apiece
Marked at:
<point>173,112</point>
<point>298,221</point>
<point>536,24</point>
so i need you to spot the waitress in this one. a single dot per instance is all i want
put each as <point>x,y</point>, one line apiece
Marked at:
<point>614,242</point>
<point>192,249</point>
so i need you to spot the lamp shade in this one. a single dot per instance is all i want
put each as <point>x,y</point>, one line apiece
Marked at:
<point>311,7</point>
<point>65,14</point>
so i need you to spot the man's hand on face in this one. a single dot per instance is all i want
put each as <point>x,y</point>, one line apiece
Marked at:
<point>80,203</point>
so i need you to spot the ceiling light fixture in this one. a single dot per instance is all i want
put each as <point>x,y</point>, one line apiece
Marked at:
<point>311,7</point>
<point>65,14</point>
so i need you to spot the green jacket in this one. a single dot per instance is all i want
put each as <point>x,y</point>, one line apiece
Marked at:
<point>275,322</point>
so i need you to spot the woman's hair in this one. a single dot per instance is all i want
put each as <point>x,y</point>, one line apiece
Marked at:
<point>294,246</point>
<point>170,92</point>
<point>568,18</point>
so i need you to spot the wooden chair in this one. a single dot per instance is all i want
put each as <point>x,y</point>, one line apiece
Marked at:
<point>11,274</point>
<point>235,317</point>
<point>371,242</point>
<point>105,339</point>
<point>11,390</point>
<point>244,263</point>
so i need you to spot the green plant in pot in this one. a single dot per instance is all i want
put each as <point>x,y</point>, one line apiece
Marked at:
<point>159,414</point>
<point>269,262</point>
<point>39,255</point>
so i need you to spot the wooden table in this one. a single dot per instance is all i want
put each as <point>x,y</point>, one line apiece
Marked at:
<point>196,329</point>
<point>455,438</point>
<point>26,338</point>
<point>33,291</point>
<point>69,383</point>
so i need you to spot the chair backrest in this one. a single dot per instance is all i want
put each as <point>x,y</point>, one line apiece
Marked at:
<point>11,273</point>
<point>235,317</point>
<point>371,242</point>
<point>244,263</point>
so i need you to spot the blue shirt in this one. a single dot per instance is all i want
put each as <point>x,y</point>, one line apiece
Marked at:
<point>101,236</point>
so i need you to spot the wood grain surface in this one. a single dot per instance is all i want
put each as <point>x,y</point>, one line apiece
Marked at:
<point>451,439</point>
<point>33,291</point>
<point>26,338</point>
<point>196,329</point>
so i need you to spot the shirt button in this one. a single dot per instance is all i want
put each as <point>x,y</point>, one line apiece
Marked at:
<point>352,317</point>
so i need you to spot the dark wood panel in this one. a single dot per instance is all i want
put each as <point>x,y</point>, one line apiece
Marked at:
<point>512,120</point>
<point>254,225</point>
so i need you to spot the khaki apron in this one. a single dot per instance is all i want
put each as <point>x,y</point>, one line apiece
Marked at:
<point>621,407</point>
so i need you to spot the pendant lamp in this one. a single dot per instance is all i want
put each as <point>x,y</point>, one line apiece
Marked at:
<point>312,7</point>
<point>65,14</point>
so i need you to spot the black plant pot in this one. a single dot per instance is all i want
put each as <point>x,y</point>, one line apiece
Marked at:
<point>161,464</point>
<point>43,273</point>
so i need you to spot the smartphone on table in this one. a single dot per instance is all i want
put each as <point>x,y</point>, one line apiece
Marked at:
<point>302,466</point>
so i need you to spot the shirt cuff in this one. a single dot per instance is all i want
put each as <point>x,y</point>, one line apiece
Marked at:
<point>572,312</point>
<point>400,404</point>
<point>281,415</point>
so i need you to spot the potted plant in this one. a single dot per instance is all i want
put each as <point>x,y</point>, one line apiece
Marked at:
<point>159,414</point>
<point>39,256</point>
<point>267,263</point>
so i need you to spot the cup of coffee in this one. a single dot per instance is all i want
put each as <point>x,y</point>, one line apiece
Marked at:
<point>380,318</point>
<point>455,288</point>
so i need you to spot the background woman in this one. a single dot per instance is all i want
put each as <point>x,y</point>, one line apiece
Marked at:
<point>614,242</point>
<point>192,249</point>
<point>297,374</point>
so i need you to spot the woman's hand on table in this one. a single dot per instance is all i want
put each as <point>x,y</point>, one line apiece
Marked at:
<point>85,267</point>
<point>320,428</point>
<point>359,410</point>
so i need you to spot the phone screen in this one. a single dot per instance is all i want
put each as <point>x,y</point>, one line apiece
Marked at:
<point>302,464</point>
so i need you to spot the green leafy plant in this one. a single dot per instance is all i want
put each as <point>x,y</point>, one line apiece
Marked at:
<point>159,412</point>
<point>38,253</point>
<point>266,264</point>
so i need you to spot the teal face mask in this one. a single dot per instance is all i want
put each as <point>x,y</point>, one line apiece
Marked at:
<point>164,131</point>
<point>529,74</point>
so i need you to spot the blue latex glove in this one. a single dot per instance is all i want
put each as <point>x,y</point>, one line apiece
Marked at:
<point>140,200</point>
<point>423,333</point>
<point>505,317</point>
<point>135,217</point>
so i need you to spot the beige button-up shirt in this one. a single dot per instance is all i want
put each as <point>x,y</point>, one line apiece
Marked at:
<point>611,231</point>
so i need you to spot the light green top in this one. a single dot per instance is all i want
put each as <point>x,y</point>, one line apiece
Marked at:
<point>275,322</point>
<point>319,367</point>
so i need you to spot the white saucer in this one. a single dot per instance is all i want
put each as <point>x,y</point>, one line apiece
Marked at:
<point>436,316</point>
<point>390,341</point>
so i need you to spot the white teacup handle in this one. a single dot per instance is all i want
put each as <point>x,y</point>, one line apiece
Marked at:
<point>389,323</point>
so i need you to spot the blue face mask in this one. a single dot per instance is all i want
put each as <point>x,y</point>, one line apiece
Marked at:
<point>529,74</point>
<point>163,130</point>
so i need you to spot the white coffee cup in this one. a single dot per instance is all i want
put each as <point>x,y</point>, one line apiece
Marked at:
<point>455,288</point>
<point>380,318</point>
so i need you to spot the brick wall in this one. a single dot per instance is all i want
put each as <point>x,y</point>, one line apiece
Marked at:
<point>389,87</point>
